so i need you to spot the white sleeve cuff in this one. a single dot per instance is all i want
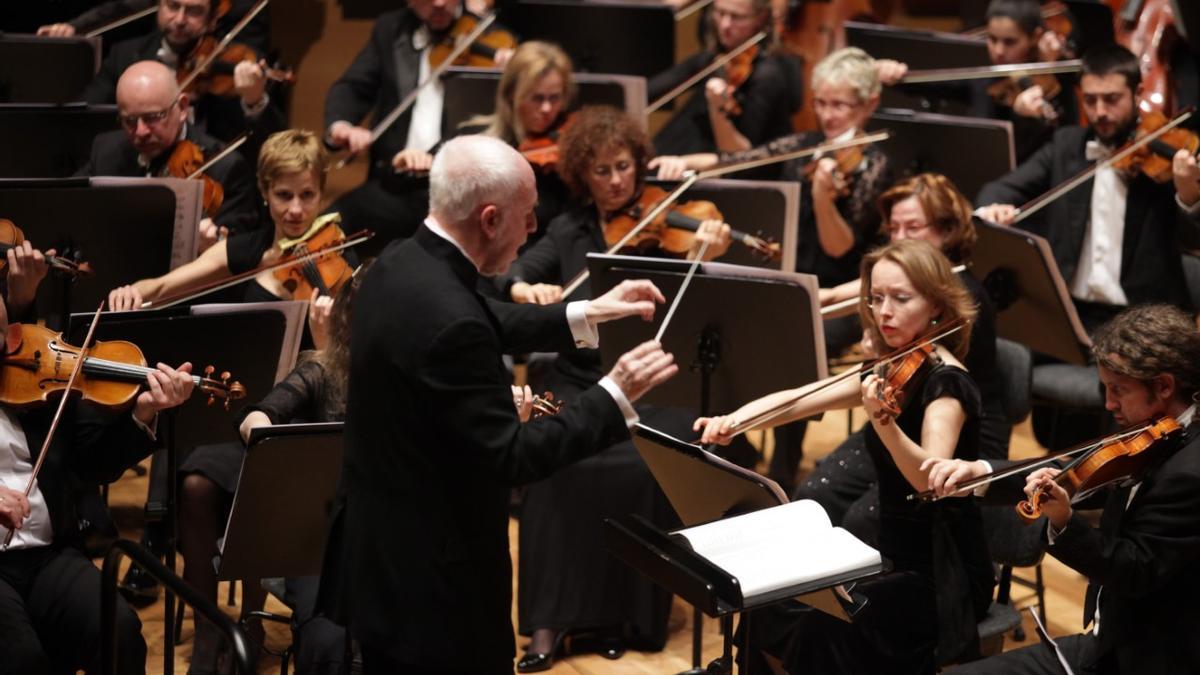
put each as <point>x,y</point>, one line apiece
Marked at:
<point>982,489</point>
<point>1190,210</point>
<point>631,416</point>
<point>253,111</point>
<point>582,330</point>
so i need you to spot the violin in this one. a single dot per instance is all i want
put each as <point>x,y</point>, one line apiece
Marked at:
<point>480,53</point>
<point>1156,157</point>
<point>900,376</point>
<point>849,161</point>
<point>11,235</point>
<point>37,363</point>
<point>185,161</point>
<point>1147,28</point>
<point>217,77</point>
<point>541,151</point>
<point>737,72</point>
<point>545,406</point>
<point>1005,92</point>
<point>1129,454</point>
<point>325,273</point>
<point>672,234</point>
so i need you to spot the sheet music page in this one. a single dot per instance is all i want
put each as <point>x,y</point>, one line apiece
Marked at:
<point>189,205</point>
<point>295,312</point>
<point>781,546</point>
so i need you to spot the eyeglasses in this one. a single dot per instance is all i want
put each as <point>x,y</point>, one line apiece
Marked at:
<point>839,106</point>
<point>150,119</point>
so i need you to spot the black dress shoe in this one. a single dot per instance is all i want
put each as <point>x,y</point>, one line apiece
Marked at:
<point>612,648</point>
<point>535,662</point>
<point>139,588</point>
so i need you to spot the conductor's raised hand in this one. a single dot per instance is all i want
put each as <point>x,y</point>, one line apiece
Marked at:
<point>166,387</point>
<point>643,368</point>
<point>720,429</point>
<point>124,298</point>
<point>945,475</point>
<point>628,298</point>
<point>14,508</point>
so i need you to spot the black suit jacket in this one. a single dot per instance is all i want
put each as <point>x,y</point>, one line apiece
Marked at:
<point>1144,557</point>
<point>113,155</point>
<point>218,116</point>
<point>256,34</point>
<point>383,73</point>
<point>91,447</point>
<point>1151,267</point>
<point>418,558</point>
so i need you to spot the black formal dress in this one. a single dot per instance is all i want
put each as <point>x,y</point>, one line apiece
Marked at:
<point>1140,563</point>
<point>767,99</point>
<point>219,116</point>
<point>113,155</point>
<point>418,562</point>
<point>844,482</point>
<point>1151,266</point>
<point>50,595</point>
<point>926,610</point>
<point>567,579</point>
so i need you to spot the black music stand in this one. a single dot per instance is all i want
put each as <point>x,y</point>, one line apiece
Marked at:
<point>99,223</point>
<point>717,329</point>
<point>969,150</point>
<point>46,70</point>
<point>247,344</point>
<point>921,50</point>
<point>1033,306</point>
<point>770,209</point>
<point>586,29</point>
<point>280,514</point>
<point>703,488</point>
<point>50,141</point>
<point>472,91</point>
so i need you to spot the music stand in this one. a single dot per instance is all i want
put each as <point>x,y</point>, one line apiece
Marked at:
<point>247,344</point>
<point>50,141</point>
<point>703,488</point>
<point>46,70</point>
<point>923,141</point>
<point>647,30</point>
<point>100,223</point>
<point>770,209</point>
<point>921,50</point>
<point>472,91</point>
<point>1033,306</point>
<point>280,514</point>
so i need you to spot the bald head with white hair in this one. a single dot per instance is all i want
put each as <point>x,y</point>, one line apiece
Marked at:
<point>151,106</point>
<point>483,193</point>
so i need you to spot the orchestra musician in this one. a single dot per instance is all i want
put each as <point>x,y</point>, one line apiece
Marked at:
<point>1016,33</point>
<point>926,610</point>
<point>1142,594</point>
<point>532,98</point>
<point>257,33</point>
<point>567,582</point>
<point>751,104</point>
<point>1117,239</point>
<point>154,120</point>
<point>49,590</point>
<point>392,63</point>
<point>291,179</point>
<point>432,441</point>
<point>181,26</point>
<point>926,207</point>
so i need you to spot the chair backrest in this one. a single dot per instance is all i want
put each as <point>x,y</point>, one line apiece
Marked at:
<point>1014,363</point>
<point>1191,273</point>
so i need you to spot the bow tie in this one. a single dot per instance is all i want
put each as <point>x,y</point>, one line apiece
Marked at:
<point>1095,151</point>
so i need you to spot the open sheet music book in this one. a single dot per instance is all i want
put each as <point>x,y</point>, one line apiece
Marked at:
<point>780,547</point>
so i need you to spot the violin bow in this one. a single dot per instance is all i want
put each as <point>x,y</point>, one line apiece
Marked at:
<point>846,307</point>
<point>705,71</point>
<point>225,42</point>
<point>795,154</point>
<point>687,280</point>
<point>989,72</point>
<point>692,9</point>
<point>462,46</point>
<point>635,230</point>
<point>233,145</point>
<point>62,404</point>
<point>1038,203</point>
<point>352,240</point>
<point>142,13</point>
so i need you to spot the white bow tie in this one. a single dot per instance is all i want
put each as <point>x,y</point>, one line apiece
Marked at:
<point>1096,151</point>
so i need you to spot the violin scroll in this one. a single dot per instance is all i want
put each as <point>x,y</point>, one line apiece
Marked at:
<point>220,388</point>
<point>545,405</point>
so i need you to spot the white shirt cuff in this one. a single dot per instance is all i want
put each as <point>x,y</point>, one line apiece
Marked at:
<point>148,428</point>
<point>582,330</point>
<point>253,111</point>
<point>982,489</point>
<point>1190,210</point>
<point>631,416</point>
